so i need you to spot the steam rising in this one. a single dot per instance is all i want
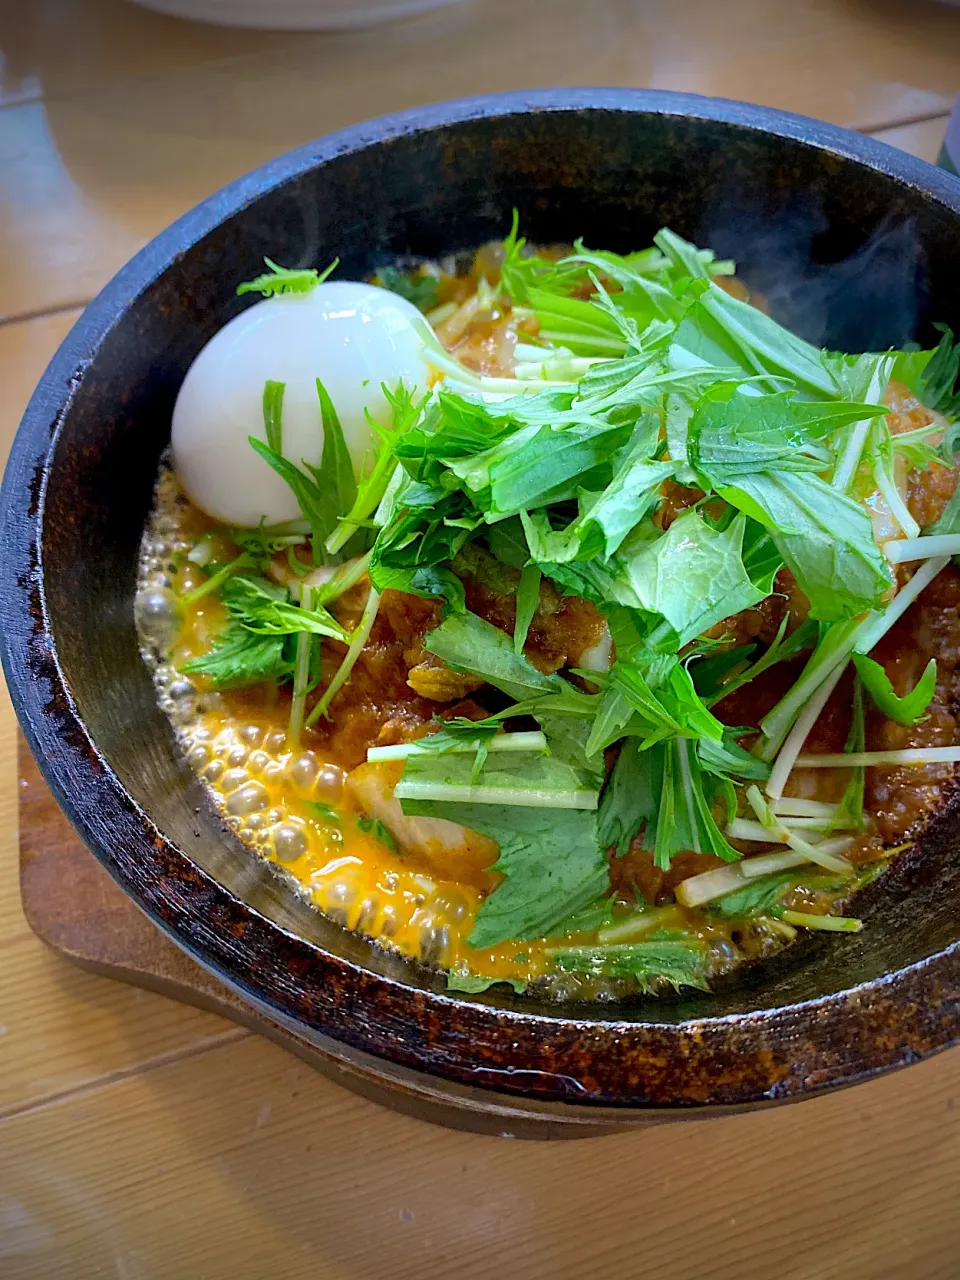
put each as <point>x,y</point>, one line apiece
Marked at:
<point>868,301</point>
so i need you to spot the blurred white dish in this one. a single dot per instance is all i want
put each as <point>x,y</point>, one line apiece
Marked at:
<point>293,15</point>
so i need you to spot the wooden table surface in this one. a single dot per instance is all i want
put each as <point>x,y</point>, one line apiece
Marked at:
<point>144,1140</point>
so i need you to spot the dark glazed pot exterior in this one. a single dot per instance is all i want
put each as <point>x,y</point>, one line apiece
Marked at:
<point>611,165</point>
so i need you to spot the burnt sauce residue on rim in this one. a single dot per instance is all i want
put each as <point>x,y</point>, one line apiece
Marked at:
<point>597,161</point>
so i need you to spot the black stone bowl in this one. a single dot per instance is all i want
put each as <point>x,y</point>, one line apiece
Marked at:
<point>790,199</point>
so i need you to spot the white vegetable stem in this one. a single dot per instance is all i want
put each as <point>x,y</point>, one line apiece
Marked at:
<point>798,734</point>
<point>696,890</point>
<point>830,924</point>
<point>822,664</point>
<point>528,353</point>
<point>557,367</point>
<point>360,638</point>
<point>524,798</point>
<point>850,458</point>
<point>862,640</point>
<point>827,855</point>
<point>798,823</point>
<point>458,375</point>
<point>767,863</point>
<point>532,741</point>
<point>744,829</point>
<point>899,550</point>
<point>635,926</point>
<point>824,855</point>
<point>876,627</point>
<point>898,508</point>
<point>710,885</point>
<point>857,437</point>
<point>334,582</point>
<point>441,313</point>
<point>797,807</point>
<point>911,755</point>
<point>301,676</point>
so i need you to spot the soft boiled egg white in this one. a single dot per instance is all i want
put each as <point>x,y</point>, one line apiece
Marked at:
<point>351,336</point>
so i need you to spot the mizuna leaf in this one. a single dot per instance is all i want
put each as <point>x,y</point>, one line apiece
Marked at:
<point>825,538</point>
<point>693,575</point>
<point>906,710</point>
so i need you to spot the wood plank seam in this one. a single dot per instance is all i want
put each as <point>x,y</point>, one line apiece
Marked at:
<point>230,1035</point>
<point>15,938</point>
<point>18,317</point>
<point>922,118</point>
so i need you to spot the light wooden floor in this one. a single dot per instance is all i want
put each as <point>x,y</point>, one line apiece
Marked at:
<point>146,1141</point>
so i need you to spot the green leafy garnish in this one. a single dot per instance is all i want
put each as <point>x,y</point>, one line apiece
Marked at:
<point>550,869</point>
<point>463,737</point>
<point>722,674</point>
<point>834,645</point>
<point>342,674</point>
<point>940,376</point>
<point>318,507</point>
<point>323,493</point>
<point>694,575</point>
<point>216,580</point>
<point>667,957</point>
<point>849,813</point>
<point>620,816</point>
<point>906,710</point>
<point>733,433</point>
<point>459,734</point>
<point>376,475</point>
<point>723,330</point>
<point>609,516</point>
<point>528,779</point>
<point>469,644</point>
<point>473,984</point>
<point>322,812</point>
<point>336,469</point>
<point>758,897</point>
<point>280,280</point>
<point>522,271</point>
<point>273,414</point>
<point>303,668</point>
<point>825,538</point>
<point>651,696</point>
<point>263,607</point>
<point>528,597</point>
<point>588,919</point>
<point>379,832</point>
<point>241,657</point>
<point>414,285</point>
<point>727,759</point>
<point>680,811</point>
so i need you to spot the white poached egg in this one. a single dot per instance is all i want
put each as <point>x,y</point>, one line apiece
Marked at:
<point>353,337</point>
